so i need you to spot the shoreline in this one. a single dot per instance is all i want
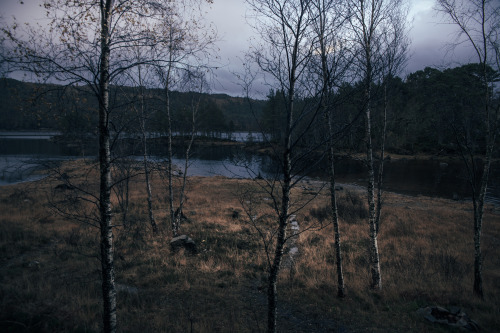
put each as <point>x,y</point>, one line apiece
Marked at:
<point>344,181</point>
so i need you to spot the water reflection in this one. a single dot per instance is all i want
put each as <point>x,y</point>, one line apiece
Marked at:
<point>20,157</point>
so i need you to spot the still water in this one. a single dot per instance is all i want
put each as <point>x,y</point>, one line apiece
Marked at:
<point>21,154</point>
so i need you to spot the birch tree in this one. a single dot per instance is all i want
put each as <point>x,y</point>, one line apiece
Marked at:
<point>90,42</point>
<point>142,114</point>
<point>478,25</point>
<point>395,54</point>
<point>370,21</point>
<point>284,55</point>
<point>184,52</point>
<point>331,69</point>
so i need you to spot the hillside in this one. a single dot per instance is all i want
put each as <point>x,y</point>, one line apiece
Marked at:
<point>33,106</point>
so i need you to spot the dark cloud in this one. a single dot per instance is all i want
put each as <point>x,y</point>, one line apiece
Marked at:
<point>430,39</point>
<point>433,41</point>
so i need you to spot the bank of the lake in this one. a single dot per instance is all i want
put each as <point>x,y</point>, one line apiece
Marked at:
<point>22,155</point>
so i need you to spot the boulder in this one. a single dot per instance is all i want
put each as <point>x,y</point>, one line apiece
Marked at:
<point>184,242</point>
<point>454,317</point>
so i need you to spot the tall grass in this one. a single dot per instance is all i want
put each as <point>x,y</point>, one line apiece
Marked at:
<point>49,271</point>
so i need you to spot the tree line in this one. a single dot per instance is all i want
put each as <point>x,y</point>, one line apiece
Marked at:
<point>424,110</point>
<point>70,110</point>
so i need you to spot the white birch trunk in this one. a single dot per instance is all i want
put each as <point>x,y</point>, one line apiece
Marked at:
<point>107,262</point>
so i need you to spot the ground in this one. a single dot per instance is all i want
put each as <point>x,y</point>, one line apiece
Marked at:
<point>50,280</point>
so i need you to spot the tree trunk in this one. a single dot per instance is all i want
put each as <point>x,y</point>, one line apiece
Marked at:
<point>283,216</point>
<point>178,213</point>
<point>478,260</point>
<point>125,204</point>
<point>491,134</point>
<point>273,277</point>
<point>166,79</point>
<point>478,218</point>
<point>152,220</point>
<point>107,262</point>
<point>278,253</point>
<point>331,157</point>
<point>335,218</point>
<point>376,279</point>
<point>380,174</point>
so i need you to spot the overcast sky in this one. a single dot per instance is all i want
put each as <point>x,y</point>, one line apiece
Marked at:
<point>428,48</point>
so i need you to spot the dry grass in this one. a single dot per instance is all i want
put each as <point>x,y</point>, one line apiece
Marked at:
<point>49,271</point>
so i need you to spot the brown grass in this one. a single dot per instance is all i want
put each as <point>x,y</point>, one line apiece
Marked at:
<point>49,271</point>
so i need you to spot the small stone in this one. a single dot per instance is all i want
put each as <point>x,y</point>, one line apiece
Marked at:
<point>35,264</point>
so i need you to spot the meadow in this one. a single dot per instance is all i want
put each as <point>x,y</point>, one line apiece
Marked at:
<point>50,278</point>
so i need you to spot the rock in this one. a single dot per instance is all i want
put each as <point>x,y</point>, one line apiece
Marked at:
<point>126,289</point>
<point>185,242</point>
<point>35,265</point>
<point>454,317</point>
<point>64,187</point>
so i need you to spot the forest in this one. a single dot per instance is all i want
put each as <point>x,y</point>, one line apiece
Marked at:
<point>69,110</point>
<point>424,110</point>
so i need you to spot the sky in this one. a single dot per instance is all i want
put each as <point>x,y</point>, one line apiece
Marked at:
<point>429,47</point>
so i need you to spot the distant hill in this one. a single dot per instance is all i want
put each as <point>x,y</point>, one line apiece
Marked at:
<point>34,106</point>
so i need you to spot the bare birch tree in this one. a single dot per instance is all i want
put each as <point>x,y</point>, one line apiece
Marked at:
<point>90,42</point>
<point>478,24</point>
<point>370,21</point>
<point>284,56</point>
<point>332,67</point>
<point>142,114</point>
<point>395,54</point>
<point>185,48</point>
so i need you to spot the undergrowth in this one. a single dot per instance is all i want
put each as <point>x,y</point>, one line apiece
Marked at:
<point>50,272</point>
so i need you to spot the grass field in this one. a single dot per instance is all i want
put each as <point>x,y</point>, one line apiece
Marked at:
<point>50,279</point>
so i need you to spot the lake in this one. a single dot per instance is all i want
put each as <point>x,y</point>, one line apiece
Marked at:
<point>23,153</point>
